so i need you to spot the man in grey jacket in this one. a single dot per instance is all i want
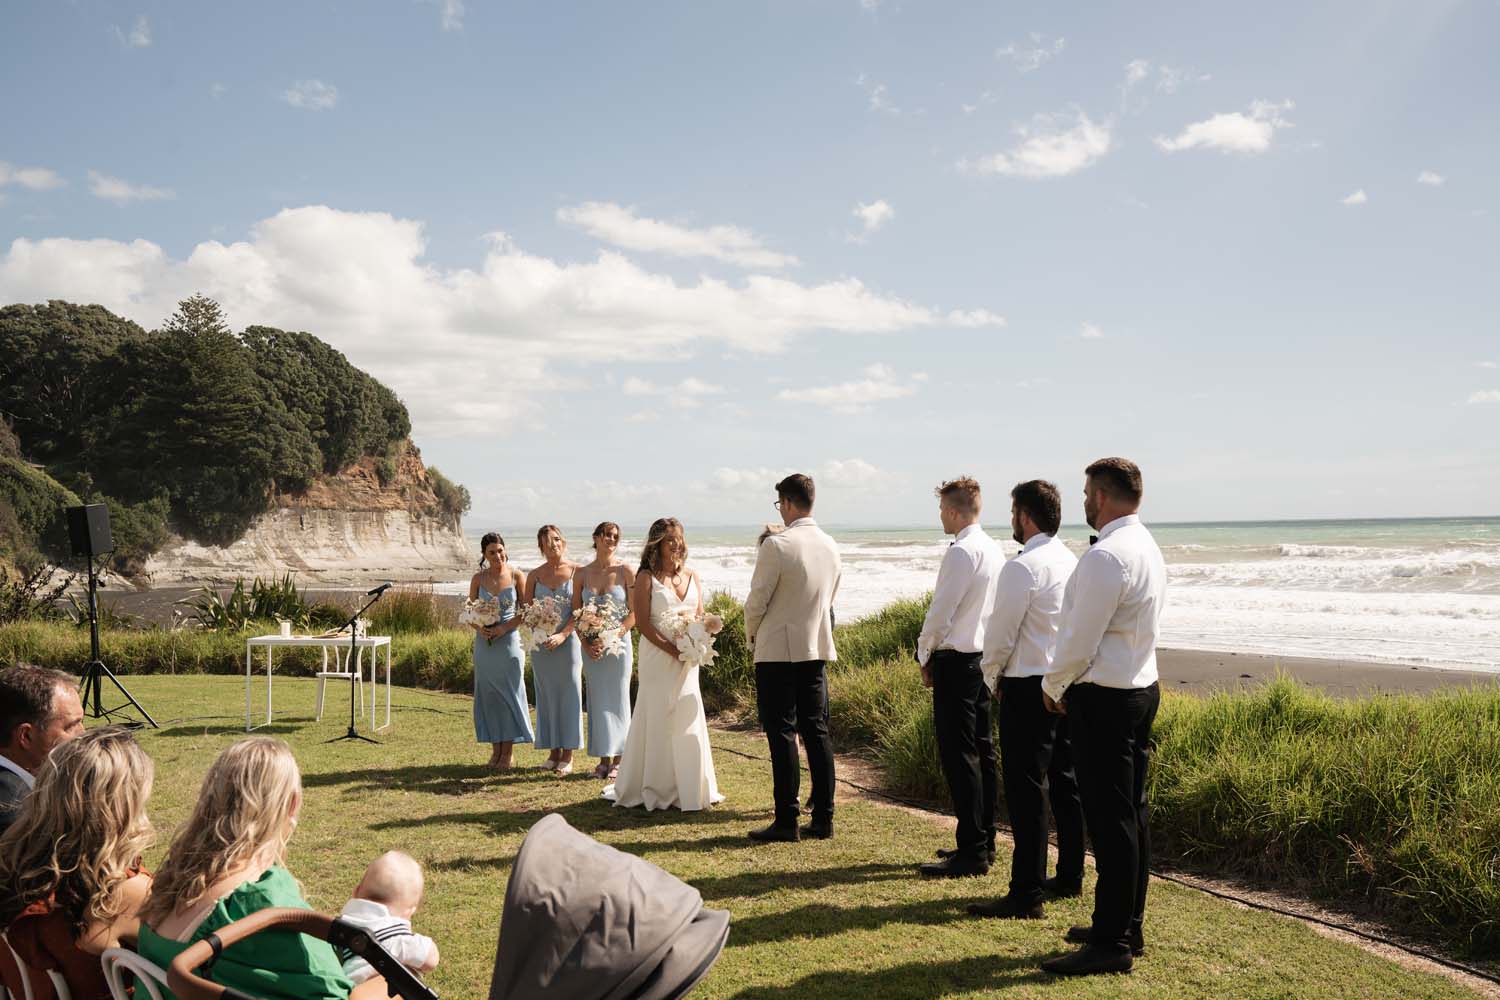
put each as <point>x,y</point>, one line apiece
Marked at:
<point>39,708</point>
<point>789,622</point>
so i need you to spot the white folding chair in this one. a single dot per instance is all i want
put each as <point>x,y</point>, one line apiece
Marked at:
<point>118,961</point>
<point>344,671</point>
<point>60,989</point>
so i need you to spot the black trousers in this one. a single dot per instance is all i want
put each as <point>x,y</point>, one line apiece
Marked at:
<point>1034,754</point>
<point>1111,733</point>
<point>793,699</point>
<point>966,746</point>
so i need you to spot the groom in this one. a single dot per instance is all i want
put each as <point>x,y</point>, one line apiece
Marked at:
<point>789,622</point>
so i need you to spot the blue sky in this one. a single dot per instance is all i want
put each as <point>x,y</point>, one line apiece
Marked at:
<point>624,260</point>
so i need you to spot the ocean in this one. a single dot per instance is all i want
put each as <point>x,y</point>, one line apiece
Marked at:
<point>1418,591</point>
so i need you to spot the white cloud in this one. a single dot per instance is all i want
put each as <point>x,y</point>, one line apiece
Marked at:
<point>138,37</point>
<point>453,15</point>
<point>1235,132</point>
<point>1135,71</point>
<point>123,192</point>
<point>1090,332</point>
<point>31,178</point>
<point>361,281</point>
<point>312,95</point>
<point>848,473</point>
<point>851,473</point>
<point>880,384</point>
<point>1049,147</point>
<point>1357,198</point>
<point>1032,53</point>
<point>1485,396</point>
<point>878,97</point>
<point>685,395</point>
<point>1431,179</point>
<point>217,90</point>
<point>872,217</point>
<point>1489,364</point>
<point>622,227</point>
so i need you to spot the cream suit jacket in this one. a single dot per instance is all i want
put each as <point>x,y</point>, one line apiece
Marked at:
<point>788,615</point>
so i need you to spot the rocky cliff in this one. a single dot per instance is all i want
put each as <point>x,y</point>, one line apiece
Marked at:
<point>349,528</point>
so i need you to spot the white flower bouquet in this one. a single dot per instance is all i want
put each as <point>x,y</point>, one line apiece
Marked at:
<point>539,619</point>
<point>600,620</point>
<point>692,635</point>
<point>480,613</point>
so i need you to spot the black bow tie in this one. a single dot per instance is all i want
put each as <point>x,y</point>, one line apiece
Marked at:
<point>1093,539</point>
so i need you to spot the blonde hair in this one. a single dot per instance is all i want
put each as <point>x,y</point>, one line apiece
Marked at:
<point>962,494</point>
<point>394,878</point>
<point>244,809</point>
<point>81,832</point>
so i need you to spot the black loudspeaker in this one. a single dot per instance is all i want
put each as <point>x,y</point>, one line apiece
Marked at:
<point>88,529</point>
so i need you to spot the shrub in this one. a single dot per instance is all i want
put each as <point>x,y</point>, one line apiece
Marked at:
<point>410,609</point>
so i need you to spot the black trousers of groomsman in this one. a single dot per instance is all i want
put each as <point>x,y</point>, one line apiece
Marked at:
<point>793,699</point>
<point>966,745</point>
<point>1110,729</point>
<point>1034,751</point>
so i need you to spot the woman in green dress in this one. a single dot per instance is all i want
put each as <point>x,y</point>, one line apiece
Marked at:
<point>227,863</point>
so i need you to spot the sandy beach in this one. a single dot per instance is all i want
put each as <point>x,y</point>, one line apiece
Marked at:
<point>1195,671</point>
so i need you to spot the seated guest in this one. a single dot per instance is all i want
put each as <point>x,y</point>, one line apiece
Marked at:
<point>39,708</point>
<point>384,902</point>
<point>227,862</point>
<point>71,883</point>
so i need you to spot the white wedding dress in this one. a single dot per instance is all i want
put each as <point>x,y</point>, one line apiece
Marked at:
<point>666,761</point>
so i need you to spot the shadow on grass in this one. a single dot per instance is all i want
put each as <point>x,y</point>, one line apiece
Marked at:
<point>189,728</point>
<point>822,920</point>
<point>757,883</point>
<point>913,981</point>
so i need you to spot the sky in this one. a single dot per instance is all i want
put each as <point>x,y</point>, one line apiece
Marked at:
<point>628,260</point>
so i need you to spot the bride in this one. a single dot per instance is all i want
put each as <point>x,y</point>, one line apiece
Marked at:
<point>666,761</point>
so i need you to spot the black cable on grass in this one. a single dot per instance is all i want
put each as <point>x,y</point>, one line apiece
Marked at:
<point>1253,904</point>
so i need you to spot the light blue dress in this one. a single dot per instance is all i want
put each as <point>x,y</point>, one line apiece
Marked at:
<point>501,714</point>
<point>608,680</point>
<point>558,677</point>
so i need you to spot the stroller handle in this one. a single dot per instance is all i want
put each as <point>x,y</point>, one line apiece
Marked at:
<point>184,981</point>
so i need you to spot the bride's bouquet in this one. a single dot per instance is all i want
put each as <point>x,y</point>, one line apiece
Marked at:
<point>600,620</point>
<point>480,613</point>
<point>692,635</point>
<point>539,619</point>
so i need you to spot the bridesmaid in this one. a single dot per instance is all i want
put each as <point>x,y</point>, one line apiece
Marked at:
<point>557,665</point>
<point>607,674</point>
<point>501,716</point>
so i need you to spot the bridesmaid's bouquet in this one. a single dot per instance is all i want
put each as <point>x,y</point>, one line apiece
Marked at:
<point>539,619</point>
<point>692,635</point>
<point>480,613</point>
<point>600,620</point>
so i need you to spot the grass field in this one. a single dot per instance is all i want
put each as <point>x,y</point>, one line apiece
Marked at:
<point>845,918</point>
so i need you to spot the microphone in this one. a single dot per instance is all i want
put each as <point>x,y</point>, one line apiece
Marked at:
<point>379,590</point>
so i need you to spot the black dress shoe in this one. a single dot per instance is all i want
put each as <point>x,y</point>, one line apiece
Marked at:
<point>1061,888</point>
<point>1089,961</point>
<point>1079,934</point>
<point>949,852</point>
<point>1009,907</point>
<point>818,831</point>
<point>775,833</point>
<point>958,867</point>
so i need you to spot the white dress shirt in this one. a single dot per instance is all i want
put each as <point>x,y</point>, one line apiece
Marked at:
<point>1111,612</point>
<point>1021,635</point>
<point>964,596</point>
<point>11,765</point>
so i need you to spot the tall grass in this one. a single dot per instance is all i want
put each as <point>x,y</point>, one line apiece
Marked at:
<point>411,609</point>
<point>1392,801</point>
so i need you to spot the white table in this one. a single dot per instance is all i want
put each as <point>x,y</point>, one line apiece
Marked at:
<point>340,646</point>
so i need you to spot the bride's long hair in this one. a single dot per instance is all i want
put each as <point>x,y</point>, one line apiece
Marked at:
<point>661,529</point>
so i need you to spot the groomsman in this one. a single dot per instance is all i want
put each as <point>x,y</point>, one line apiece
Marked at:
<point>1019,641</point>
<point>789,622</point>
<point>949,649</point>
<point>1103,677</point>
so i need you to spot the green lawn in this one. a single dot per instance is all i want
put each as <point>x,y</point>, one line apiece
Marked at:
<point>843,918</point>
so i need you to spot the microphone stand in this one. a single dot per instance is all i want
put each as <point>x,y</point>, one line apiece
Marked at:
<point>353,665</point>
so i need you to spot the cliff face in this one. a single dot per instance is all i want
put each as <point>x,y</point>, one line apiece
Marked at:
<point>348,528</point>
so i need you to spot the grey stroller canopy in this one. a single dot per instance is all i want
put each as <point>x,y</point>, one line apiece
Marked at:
<point>583,921</point>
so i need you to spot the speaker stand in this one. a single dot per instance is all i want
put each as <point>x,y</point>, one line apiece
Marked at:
<point>90,688</point>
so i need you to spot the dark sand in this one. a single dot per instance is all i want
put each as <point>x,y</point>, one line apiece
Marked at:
<point>1181,669</point>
